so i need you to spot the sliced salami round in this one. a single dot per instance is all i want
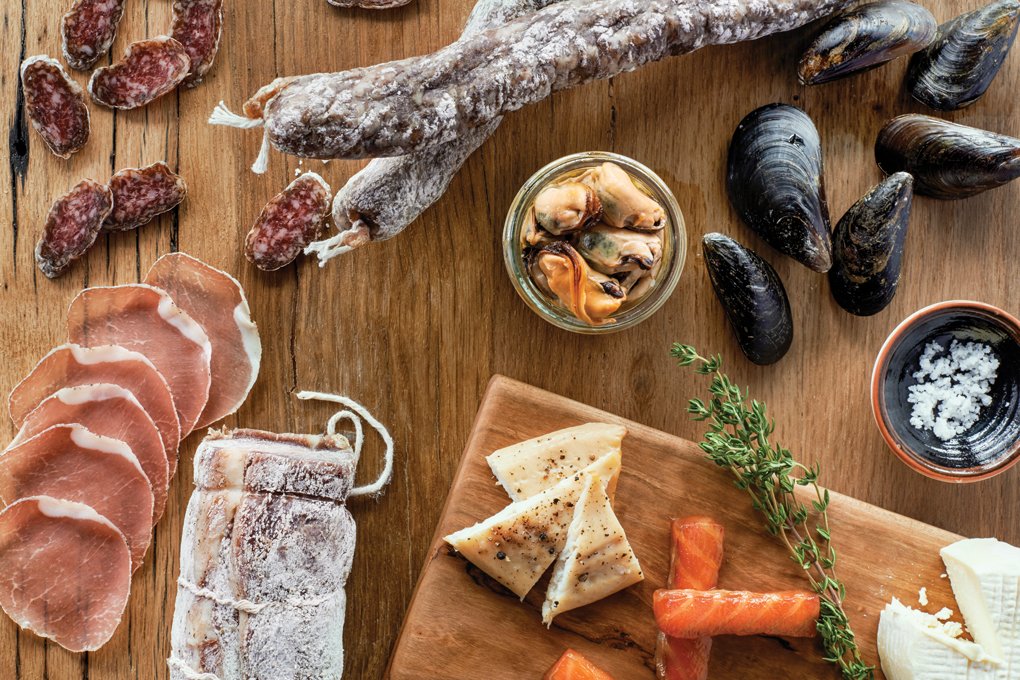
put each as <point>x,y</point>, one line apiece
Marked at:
<point>217,302</point>
<point>70,365</point>
<point>198,25</point>
<point>150,68</point>
<point>70,463</point>
<point>55,104</point>
<point>143,318</point>
<point>72,225</point>
<point>288,223</point>
<point>65,571</point>
<point>109,411</point>
<point>88,30</point>
<point>139,194</point>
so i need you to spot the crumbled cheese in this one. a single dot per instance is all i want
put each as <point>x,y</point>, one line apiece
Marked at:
<point>943,575</point>
<point>922,597</point>
<point>944,614</point>
<point>952,387</point>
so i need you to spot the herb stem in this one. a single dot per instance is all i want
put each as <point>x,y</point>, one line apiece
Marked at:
<point>738,439</point>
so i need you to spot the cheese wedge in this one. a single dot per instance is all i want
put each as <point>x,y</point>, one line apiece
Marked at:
<point>914,645</point>
<point>517,544</point>
<point>985,575</point>
<point>596,561</point>
<point>532,466</point>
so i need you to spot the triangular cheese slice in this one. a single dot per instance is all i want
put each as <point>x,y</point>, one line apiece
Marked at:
<point>985,575</point>
<point>596,561</point>
<point>516,545</point>
<point>533,466</point>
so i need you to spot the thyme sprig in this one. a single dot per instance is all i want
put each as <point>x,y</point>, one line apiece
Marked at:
<point>739,439</point>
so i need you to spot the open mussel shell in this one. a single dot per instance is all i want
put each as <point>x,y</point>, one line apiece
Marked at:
<point>867,247</point>
<point>753,296</point>
<point>774,181</point>
<point>865,37</point>
<point>956,69</point>
<point>947,160</point>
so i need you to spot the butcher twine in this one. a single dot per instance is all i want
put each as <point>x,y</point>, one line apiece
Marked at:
<point>221,115</point>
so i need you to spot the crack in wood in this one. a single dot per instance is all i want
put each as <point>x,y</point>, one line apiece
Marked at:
<point>18,145</point>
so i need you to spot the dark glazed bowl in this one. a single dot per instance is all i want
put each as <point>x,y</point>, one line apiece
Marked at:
<point>992,445</point>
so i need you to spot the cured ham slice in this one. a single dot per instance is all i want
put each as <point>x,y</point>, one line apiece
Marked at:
<point>65,571</point>
<point>265,554</point>
<point>110,411</point>
<point>70,463</point>
<point>216,301</point>
<point>72,365</point>
<point>144,319</point>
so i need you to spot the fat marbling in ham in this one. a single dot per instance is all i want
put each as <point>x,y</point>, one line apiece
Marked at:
<point>110,411</point>
<point>65,571</point>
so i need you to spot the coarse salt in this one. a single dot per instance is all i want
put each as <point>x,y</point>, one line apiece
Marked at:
<point>952,387</point>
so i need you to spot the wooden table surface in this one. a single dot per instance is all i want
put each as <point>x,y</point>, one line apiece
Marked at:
<point>415,327</point>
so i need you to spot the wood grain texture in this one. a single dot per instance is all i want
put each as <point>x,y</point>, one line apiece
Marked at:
<point>460,620</point>
<point>415,327</point>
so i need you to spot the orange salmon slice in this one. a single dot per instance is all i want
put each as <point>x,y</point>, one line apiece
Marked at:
<point>573,666</point>
<point>696,613</point>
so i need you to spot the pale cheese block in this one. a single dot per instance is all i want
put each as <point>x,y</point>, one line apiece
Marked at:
<point>985,575</point>
<point>597,559</point>
<point>532,466</point>
<point>914,645</point>
<point>517,544</point>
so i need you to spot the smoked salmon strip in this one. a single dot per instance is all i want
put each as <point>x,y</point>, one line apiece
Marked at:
<point>696,556</point>
<point>573,666</point>
<point>700,613</point>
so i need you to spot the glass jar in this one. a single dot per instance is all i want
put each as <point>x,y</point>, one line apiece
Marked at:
<point>674,244</point>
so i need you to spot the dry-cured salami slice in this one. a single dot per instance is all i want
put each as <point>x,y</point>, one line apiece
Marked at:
<point>71,365</point>
<point>72,225</point>
<point>144,319</point>
<point>70,463</point>
<point>65,571</point>
<point>88,30</point>
<point>288,223</point>
<point>55,104</point>
<point>416,103</point>
<point>217,302</point>
<point>198,24</point>
<point>150,68</point>
<point>109,411</point>
<point>139,194</point>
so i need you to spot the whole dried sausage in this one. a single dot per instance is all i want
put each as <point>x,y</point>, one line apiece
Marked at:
<point>149,69</point>
<point>198,25</point>
<point>422,102</point>
<point>369,4</point>
<point>288,223</point>
<point>88,29</point>
<point>72,226</point>
<point>55,104</point>
<point>139,194</point>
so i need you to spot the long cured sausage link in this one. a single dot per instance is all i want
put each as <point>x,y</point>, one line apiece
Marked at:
<point>697,553</point>
<point>388,194</point>
<point>417,103</point>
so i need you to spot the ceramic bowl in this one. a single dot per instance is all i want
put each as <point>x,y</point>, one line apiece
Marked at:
<point>989,447</point>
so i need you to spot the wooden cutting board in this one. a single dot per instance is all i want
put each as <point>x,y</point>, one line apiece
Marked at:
<point>463,625</point>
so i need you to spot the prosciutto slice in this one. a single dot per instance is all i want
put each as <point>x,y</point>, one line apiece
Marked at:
<point>144,319</point>
<point>72,365</point>
<point>110,411</point>
<point>216,301</point>
<point>70,463</point>
<point>65,571</point>
<point>266,551</point>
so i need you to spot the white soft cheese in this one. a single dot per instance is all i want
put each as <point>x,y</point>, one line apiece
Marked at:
<point>914,645</point>
<point>985,575</point>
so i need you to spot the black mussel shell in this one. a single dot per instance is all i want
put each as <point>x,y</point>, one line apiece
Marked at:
<point>753,297</point>
<point>867,247</point>
<point>947,160</point>
<point>774,180</point>
<point>865,37</point>
<point>956,69</point>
